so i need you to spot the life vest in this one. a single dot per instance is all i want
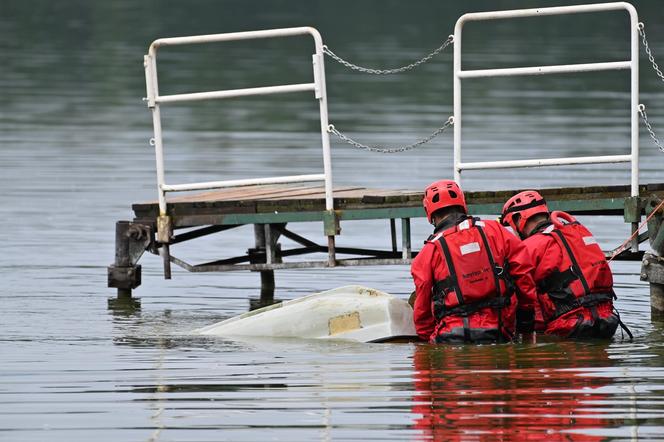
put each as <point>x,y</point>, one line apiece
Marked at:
<point>584,278</point>
<point>475,285</point>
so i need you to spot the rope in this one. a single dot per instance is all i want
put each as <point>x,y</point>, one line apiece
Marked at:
<point>429,56</point>
<point>622,246</point>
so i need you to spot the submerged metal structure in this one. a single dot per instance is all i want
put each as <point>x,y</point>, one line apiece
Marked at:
<point>271,203</point>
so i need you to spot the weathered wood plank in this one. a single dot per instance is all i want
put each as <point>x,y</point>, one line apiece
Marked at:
<point>276,199</point>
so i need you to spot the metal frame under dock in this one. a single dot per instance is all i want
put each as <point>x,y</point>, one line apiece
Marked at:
<point>270,208</point>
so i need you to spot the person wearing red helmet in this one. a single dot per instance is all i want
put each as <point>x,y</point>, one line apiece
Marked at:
<point>574,281</point>
<point>471,275</point>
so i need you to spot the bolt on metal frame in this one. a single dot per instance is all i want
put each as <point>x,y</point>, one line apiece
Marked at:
<point>154,100</point>
<point>632,64</point>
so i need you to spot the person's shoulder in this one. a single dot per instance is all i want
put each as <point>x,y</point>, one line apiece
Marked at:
<point>540,239</point>
<point>492,225</point>
<point>425,255</point>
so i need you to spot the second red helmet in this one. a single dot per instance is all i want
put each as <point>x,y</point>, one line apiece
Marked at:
<point>441,194</point>
<point>525,204</point>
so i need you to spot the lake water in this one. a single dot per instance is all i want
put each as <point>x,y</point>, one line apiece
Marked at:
<point>75,154</point>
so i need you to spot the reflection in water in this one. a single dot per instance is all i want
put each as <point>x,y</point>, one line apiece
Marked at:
<point>508,392</point>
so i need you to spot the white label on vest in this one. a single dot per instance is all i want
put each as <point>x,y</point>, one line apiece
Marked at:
<point>471,247</point>
<point>464,225</point>
<point>479,223</point>
<point>589,240</point>
<point>548,229</point>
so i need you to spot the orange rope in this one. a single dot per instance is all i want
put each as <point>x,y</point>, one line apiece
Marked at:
<point>621,248</point>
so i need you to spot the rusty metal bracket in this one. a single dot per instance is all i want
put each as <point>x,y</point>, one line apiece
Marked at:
<point>164,229</point>
<point>632,212</point>
<point>331,224</point>
<point>131,241</point>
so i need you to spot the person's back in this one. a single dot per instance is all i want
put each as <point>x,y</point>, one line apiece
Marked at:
<point>466,273</point>
<point>574,281</point>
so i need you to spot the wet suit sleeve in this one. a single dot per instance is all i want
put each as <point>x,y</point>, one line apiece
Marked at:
<point>546,255</point>
<point>422,271</point>
<point>521,269</point>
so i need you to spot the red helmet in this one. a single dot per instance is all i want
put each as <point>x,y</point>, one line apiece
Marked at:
<point>441,194</point>
<point>526,204</point>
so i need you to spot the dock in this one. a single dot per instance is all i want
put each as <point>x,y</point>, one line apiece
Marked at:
<point>270,204</point>
<point>270,208</point>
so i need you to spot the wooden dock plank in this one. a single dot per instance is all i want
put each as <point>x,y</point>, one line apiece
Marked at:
<point>274,199</point>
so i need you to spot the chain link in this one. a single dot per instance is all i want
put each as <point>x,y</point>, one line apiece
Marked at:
<point>342,137</point>
<point>641,28</point>
<point>644,117</point>
<point>446,43</point>
<point>642,108</point>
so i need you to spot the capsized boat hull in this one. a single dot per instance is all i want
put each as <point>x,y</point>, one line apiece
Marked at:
<point>352,312</point>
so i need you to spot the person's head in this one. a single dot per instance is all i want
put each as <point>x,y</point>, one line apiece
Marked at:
<point>441,199</point>
<point>524,212</point>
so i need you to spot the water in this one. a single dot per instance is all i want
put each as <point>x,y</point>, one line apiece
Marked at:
<point>75,155</point>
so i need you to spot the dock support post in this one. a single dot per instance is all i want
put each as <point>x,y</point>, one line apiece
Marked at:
<point>267,251</point>
<point>393,234</point>
<point>331,227</point>
<point>406,251</point>
<point>131,240</point>
<point>652,266</point>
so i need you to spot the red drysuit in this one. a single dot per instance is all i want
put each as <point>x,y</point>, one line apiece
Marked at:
<point>459,302</point>
<point>575,284</point>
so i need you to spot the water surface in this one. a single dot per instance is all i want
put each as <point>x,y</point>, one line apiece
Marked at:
<point>75,155</point>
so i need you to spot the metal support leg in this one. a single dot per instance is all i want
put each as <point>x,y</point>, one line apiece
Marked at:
<point>165,252</point>
<point>406,251</point>
<point>265,244</point>
<point>164,234</point>
<point>331,251</point>
<point>131,240</point>
<point>393,234</point>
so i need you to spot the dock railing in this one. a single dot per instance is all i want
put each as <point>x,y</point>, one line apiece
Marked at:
<point>155,100</point>
<point>632,64</point>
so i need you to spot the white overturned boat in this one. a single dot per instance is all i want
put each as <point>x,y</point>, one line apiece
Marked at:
<point>352,312</point>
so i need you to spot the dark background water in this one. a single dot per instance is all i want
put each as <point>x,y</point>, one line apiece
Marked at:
<point>74,156</point>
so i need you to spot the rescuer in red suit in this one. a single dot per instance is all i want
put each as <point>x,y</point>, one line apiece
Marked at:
<point>574,281</point>
<point>470,276</point>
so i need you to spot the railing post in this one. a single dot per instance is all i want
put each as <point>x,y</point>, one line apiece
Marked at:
<point>458,28</point>
<point>634,102</point>
<point>321,94</point>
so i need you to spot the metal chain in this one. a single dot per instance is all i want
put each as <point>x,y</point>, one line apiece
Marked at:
<point>644,116</point>
<point>342,137</point>
<point>642,108</point>
<point>641,28</point>
<point>446,43</point>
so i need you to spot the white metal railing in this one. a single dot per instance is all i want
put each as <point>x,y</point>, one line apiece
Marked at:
<point>632,64</point>
<point>318,87</point>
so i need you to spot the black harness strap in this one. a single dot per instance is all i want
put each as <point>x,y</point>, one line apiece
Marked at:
<point>453,284</point>
<point>453,280</point>
<point>590,301</point>
<point>468,309</point>
<point>496,278</point>
<point>557,281</point>
<point>575,264</point>
<point>623,326</point>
